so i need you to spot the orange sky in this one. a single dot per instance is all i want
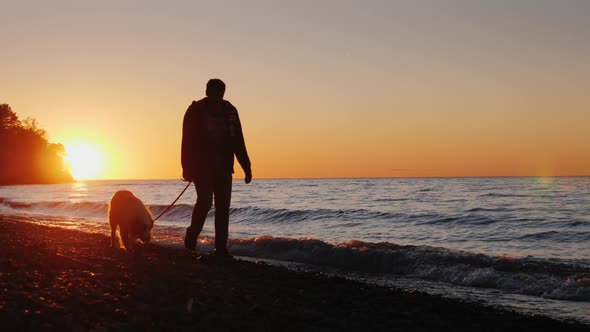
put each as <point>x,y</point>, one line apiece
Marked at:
<point>324,89</point>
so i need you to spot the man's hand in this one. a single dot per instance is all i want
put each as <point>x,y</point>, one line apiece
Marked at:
<point>248,177</point>
<point>187,176</point>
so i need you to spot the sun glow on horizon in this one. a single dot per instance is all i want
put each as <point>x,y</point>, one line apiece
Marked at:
<point>84,161</point>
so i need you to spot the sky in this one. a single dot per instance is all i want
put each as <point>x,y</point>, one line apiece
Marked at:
<point>332,88</point>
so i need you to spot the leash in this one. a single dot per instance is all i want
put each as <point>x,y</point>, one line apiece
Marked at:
<point>177,198</point>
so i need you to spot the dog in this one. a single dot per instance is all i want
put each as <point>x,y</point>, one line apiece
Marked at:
<point>133,218</point>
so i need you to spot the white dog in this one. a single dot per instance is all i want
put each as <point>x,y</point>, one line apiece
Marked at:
<point>133,218</point>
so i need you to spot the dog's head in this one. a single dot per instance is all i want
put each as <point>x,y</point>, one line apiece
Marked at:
<point>146,235</point>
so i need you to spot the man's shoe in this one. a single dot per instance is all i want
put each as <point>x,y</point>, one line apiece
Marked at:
<point>190,240</point>
<point>222,253</point>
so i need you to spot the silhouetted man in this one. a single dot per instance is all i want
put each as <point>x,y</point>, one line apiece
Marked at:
<point>211,135</point>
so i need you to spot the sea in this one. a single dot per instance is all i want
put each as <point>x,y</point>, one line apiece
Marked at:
<point>520,243</point>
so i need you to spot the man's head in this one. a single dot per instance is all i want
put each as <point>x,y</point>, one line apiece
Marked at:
<point>215,88</point>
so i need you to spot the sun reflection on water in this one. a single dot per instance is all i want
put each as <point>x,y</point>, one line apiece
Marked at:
<point>79,191</point>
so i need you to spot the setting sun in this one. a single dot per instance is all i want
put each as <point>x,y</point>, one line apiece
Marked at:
<point>84,160</point>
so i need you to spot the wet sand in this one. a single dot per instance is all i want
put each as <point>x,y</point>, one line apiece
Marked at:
<point>59,279</point>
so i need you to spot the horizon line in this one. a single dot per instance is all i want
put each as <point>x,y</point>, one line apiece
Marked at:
<point>359,177</point>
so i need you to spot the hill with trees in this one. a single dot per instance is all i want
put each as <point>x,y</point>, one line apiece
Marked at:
<point>26,156</point>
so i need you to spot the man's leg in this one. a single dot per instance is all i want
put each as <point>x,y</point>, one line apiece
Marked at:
<point>204,189</point>
<point>222,187</point>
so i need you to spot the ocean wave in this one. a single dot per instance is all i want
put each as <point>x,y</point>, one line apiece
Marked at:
<point>388,200</point>
<point>251,215</point>
<point>289,215</point>
<point>561,236</point>
<point>86,209</point>
<point>257,215</point>
<point>538,194</point>
<point>520,276</point>
<point>441,219</point>
<point>482,209</point>
<point>184,211</point>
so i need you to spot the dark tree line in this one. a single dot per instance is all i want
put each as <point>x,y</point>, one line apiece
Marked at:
<point>26,156</point>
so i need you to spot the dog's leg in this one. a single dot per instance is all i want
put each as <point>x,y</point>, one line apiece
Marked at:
<point>125,237</point>
<point>114,239</point>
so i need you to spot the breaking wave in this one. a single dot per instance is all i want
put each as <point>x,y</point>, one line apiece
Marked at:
<point>184,211</point>
<point>527,276</point>
<point>181,212</point>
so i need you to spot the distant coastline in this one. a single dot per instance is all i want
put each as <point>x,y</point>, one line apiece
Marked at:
<point>26,156</point>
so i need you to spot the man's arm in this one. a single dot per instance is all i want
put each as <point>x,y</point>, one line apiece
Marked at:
<point>187,148</point>
<point>240,149</point>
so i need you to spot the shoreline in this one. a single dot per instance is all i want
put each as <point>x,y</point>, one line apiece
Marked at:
<point>53,279</point>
